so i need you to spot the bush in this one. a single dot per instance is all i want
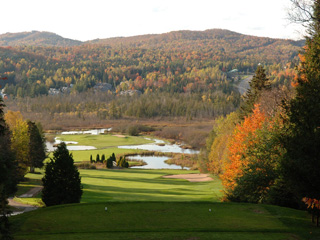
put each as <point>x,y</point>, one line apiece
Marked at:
<point>110,160</point>
<point>122,162</point>
<point>133,131</point>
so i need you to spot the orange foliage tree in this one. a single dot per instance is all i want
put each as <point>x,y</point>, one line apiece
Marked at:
<point>244,136</point>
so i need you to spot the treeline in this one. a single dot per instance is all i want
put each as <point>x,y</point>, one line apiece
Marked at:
<point>267,151</point>
<point>22,148</point>
<point>101,106</point>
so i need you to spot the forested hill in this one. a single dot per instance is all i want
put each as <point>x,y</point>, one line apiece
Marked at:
<point>175,62</point>
<point>222,37</point>
<point>36,38</point>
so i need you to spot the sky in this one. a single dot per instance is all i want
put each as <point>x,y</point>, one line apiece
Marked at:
<point>91,19</point>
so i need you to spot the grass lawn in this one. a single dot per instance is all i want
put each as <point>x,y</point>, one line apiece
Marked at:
<point>163,220</point>
<point>105,144</point>
<point>103,141</point>
<point>145,185</point>
<point>80,156</point>
<point>143,205</point>
<point>141,185</point>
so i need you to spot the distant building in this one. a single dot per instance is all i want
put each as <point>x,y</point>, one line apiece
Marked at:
<point>130,92</point>
<point>103,87</point>
<point>54,91</point>
<point>65,90</point>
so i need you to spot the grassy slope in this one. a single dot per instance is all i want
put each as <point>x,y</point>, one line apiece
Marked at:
<point>163,220</point>
<point>135,212</point>
<point>145,185</point>
<point>142,185</point>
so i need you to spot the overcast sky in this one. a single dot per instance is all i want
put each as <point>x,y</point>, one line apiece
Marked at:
<point>91,19</point>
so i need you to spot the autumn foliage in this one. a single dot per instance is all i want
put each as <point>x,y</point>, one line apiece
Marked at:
<point>244,136</point>
<point>314,206</point>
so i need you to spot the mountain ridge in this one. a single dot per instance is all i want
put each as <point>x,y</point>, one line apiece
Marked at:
<point>43,38</point>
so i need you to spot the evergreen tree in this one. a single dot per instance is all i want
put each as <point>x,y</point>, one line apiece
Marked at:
<point>103,158</point>
<point>258,83</point>
<point>62,182</point>
<point>8,179</point>
<point>37,147</point>
<point>301,163</point>
<point>109,163</point>
<point>98,158</point>
<point>91,160</point>
<point>122,162</point>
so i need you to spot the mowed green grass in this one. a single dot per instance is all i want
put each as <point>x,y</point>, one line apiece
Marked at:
<point>105,144</point>
<point>145,185</point>
<point>104,141</point>
<point>79,156</point>
<point>103,185</point>
<point>144,205</point>
<point>163,220</point>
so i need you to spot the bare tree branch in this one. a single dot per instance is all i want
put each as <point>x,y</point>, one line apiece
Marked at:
<point>301,12</point>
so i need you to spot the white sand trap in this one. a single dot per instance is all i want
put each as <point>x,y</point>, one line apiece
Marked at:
<point>192,177</point>
<point>118,135</point>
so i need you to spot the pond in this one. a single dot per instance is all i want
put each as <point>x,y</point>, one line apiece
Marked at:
<point>155,162</point>
<point>93,131</point>
<point>161,146</point>
<point>51,146</point>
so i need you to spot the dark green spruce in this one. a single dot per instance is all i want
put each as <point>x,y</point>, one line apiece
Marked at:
<point>62,182</point>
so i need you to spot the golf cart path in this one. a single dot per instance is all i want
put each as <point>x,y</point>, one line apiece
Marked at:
<point>21,208</point>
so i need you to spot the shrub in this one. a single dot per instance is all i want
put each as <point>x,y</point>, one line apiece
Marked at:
<point>122,162</point>
<point>133,131</point>
<point>110,160</point>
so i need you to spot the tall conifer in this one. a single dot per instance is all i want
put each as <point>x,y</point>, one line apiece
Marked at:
<point>301,163</point>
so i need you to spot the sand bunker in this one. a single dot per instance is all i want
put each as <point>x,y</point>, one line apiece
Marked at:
<point>120,136</point>
<point>192,177</point>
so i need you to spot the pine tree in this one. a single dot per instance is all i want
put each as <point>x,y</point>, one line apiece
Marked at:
<point>258,83</point>
<point>37,147</point>
<point>98,158</point>
<point>301,163</point>
<point>62,182</point>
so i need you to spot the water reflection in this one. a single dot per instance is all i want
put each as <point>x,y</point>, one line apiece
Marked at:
<point>93,131</point>
<point>167,148</point>
<point>154,162</point>
<point>51,146</point>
